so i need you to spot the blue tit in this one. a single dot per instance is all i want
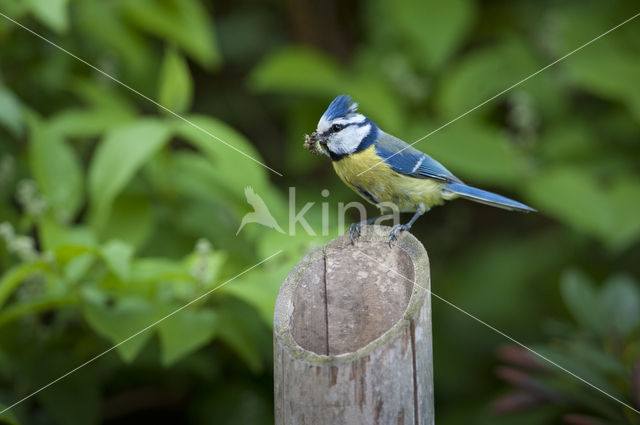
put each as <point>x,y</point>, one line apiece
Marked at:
<point>385,170</point>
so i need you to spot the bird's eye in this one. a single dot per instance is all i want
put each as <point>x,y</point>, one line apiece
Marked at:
<point>336,127</point>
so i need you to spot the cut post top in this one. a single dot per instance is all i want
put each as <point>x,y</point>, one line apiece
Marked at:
<point>343,300</point>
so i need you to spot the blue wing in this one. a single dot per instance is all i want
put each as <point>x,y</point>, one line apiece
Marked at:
<point>406,160</point>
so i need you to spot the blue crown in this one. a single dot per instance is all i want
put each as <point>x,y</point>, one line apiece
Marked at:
<point>340,107</point>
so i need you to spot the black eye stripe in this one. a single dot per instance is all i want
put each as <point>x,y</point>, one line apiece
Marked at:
<point>339,127</point>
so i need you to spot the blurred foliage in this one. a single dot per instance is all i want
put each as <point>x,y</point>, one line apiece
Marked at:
<point>115,212</point>
<point>602,347</point>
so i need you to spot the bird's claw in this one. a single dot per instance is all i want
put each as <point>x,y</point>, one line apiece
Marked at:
<point>395,230</point>
<point>354,232</point>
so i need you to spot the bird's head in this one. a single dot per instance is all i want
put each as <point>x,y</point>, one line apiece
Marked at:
<point>342,130</point>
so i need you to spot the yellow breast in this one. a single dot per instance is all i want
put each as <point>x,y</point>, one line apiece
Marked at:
<point>382,184</point>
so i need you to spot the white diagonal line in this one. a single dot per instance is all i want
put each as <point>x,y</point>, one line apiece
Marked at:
<point>111,77</point>
<point>507,89</point>
<point>91,360</point>
<point>505,335</point>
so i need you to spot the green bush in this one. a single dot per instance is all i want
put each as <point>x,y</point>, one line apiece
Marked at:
<point>115,212</point>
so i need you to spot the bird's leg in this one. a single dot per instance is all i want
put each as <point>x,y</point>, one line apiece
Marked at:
<point>402,227</point>
<point>354,229</point>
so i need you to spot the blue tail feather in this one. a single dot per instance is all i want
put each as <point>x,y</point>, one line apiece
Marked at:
<point>484,197</point>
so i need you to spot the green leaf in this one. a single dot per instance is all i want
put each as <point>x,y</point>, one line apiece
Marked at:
<point>432,29</point>
<point>14,8</point>
<point>57,170</point>
<point>121,321</point>
<point>237,332</point>
<point>131,219</point>
<point>103,23</point>
<point>569,140</point>
<point>572,196</point>
<point>197,176</point>
<point>103,96</point>
<point>169,280</point>
<point>67,253</point>
<point>225,160</point>
<point>13,277</point>
<point>621,304</point>
<point>36,305</point>
<point>604,362</point>
<point>51,232</point>
<point>158,269</point>
<point>11,112</point>
<point>304,71</point>
<point>624,203</point>
<point>82,122</point>
<point>56,237</point>
<point>117,255</point>
<point>579,198</point>
<point>185,332</point>
<point>176,86</point>
<point>117,159</point>
<point>297,70</point>
<point>184,22</point>
<point>593,71</point>
<point>581,298</point>
<point>612,55</point>
<point>77,268</point>
<point>193,219</point>
<point>53,13</point>
<point>260,289</point>
<point>376,99</point>
<point>484,73</point>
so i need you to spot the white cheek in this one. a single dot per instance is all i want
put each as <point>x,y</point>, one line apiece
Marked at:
<point>348,140</point>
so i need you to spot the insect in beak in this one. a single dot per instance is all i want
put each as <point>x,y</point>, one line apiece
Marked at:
<point>315,144</point>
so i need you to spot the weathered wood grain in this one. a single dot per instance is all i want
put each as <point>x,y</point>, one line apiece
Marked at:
<point>352,335</point>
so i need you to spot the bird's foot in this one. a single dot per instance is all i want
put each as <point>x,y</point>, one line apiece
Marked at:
<point>395,230</point>
<point>354,232</point>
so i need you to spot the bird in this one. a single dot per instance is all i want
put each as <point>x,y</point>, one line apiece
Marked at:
<point>386,170</point>
<point>260,213</point>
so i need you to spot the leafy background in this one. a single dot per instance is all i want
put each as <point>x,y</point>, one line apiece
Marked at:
<point>114,212</point>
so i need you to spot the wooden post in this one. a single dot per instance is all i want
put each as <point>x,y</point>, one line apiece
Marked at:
<point>352,334</point>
